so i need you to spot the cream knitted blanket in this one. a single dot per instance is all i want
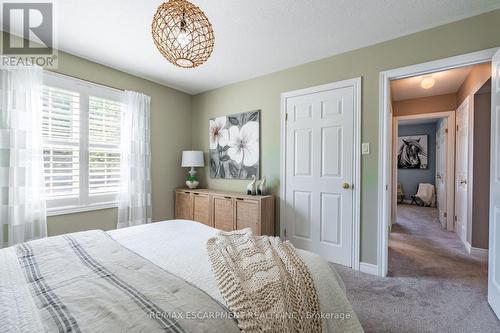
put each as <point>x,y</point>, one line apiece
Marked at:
<point>264,282</point>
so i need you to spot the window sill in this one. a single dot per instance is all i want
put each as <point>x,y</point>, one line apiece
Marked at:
<point>79,209</point>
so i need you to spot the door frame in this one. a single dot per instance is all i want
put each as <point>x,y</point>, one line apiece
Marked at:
<point>385,135</point>
<point>470,180</point>
<point>450,157</point>
<point>356,84</point>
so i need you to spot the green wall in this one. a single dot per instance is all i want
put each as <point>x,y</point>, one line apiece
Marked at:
<point>170,135</point>
<point>473,34</point>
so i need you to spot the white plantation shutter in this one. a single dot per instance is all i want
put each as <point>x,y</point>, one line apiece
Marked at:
<point>104,146</point>
<point>81,141</point>
<point>61,135</point>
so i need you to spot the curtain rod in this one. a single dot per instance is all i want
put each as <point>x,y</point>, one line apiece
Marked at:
<point>84,80</point>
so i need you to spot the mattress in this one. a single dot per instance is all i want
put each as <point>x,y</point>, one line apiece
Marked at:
<point>179,247</point>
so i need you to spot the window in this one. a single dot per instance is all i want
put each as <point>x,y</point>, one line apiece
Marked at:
<point>81,144</point>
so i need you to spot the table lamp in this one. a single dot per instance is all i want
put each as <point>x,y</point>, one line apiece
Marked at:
<point>192,159</point>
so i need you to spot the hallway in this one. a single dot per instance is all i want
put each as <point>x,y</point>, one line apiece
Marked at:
<point>419,247</point>
<point>433,284</point>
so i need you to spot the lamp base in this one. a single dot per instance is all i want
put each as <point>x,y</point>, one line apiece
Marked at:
<point>192,184</point>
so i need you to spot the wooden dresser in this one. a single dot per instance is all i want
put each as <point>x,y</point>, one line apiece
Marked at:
<point>226,210</point>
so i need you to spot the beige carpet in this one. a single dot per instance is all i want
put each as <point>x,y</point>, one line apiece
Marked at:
<point>433,285</point>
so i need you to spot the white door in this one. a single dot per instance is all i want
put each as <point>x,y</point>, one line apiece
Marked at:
<point>494,252</point>
<point>319,172</point>
<point>462,168</point>
<point>441,166</point>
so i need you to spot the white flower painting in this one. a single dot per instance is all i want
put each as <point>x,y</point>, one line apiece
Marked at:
<point>235,146</point>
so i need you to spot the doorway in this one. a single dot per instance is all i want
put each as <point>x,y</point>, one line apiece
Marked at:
<point>385,160</point>
<point>433,154</point>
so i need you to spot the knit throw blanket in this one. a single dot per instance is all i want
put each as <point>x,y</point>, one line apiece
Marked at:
<point>264,282</point>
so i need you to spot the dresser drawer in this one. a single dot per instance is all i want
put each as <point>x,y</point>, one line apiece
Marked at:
<point>223,213</point>
<point>247,214</point>
<point>201,208</point>
<point>183,205</point>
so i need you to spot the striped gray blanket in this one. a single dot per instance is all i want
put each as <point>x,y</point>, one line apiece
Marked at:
<point>87,282</point>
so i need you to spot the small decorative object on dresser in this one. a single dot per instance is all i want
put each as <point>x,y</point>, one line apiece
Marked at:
<point>192,159</point>
<point>262,189</point>
<point>251,188</point>
<point>226,210</point>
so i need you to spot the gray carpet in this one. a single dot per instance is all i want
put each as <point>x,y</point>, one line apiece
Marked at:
<point>433,285</point>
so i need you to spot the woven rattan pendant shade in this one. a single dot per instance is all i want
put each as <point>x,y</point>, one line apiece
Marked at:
<point>182,33</point>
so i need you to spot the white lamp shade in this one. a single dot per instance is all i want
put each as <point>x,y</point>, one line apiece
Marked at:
<point>192,158</point>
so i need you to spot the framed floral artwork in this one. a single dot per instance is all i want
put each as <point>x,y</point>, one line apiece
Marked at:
<point>235,146</point>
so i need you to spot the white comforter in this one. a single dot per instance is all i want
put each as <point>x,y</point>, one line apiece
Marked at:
<point>179,246</point>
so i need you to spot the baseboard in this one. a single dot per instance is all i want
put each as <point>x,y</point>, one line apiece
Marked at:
<point>466,245</point>
<point>368,268</point>
<point>476,251</point>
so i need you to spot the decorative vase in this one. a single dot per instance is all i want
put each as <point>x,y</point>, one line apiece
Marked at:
<point>262,189</point>
<point>192,184</point>
<point>251,188</point>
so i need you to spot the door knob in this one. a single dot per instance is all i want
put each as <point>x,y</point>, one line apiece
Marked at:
<point>346,186</point>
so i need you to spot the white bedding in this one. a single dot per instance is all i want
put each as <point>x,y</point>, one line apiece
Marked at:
<point>179,246</point>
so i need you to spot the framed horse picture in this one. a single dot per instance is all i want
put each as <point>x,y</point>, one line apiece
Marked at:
<point>412,152</point>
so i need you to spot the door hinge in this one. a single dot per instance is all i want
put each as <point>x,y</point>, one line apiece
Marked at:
<point>446,130</point>
<point>457,128</point>
<point>286,116</point>
<point>456,219</point>
<point>445,214</point>
<point>284,233</point>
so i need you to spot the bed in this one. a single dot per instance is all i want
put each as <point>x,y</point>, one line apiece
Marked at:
<point>90,281</point>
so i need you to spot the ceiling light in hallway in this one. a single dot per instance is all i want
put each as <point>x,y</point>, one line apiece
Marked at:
<point>427,82</point>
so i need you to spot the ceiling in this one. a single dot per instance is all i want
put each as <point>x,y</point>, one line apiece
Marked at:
<point>252,37</point>
<point>446,82</point>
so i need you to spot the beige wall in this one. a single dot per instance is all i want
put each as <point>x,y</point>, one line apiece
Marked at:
<point>440,103</point>
<point>474,81</point>
<point>263,93</point>
<point>170,134</point>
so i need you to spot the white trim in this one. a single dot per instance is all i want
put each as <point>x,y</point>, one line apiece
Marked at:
<point>383,194</point>
<point>450,158</point>
<point>81,81</point>
<point>470,170</point>
<point>452,134</point>
<point>468,104</point>
<point>482,253</point>
<point>385,134</point>
<point>79,209</point>
<point>368,268</point>
<point>356,230</point>
<point>432,115</point>
<point>466,245</point>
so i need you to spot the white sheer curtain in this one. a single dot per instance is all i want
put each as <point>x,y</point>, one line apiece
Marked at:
<point>22,202</point>
<point>135,159</point>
